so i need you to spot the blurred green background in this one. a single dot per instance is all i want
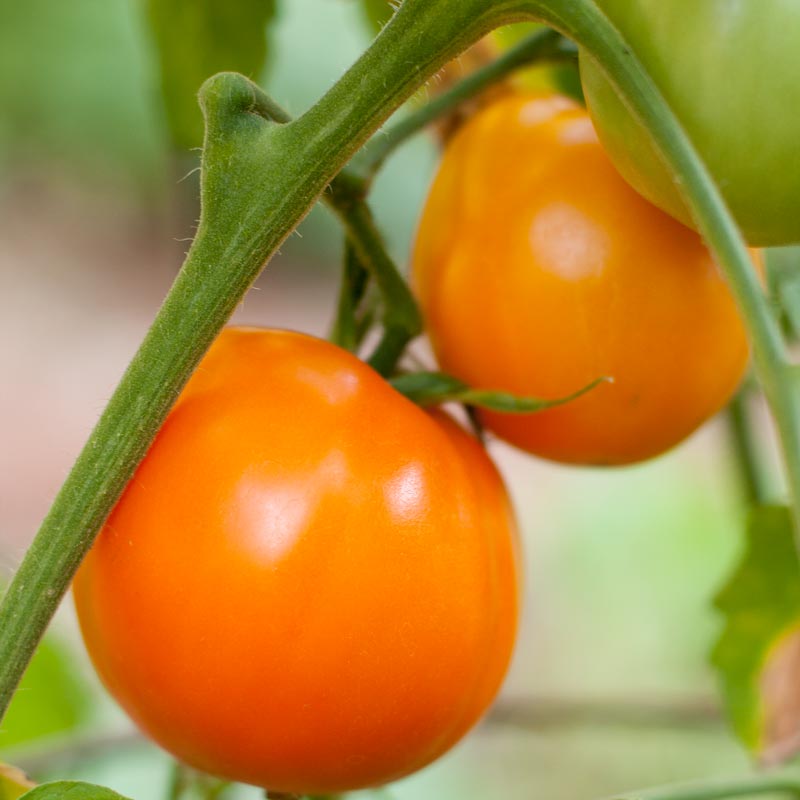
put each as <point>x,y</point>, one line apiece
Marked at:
<point>610,689</point>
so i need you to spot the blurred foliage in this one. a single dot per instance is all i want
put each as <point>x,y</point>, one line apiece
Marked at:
<point>377,13</point>
<point>783,277</point>
<point>198,38</point>
<point>74,88</point>
<point>51,698</point>
<point>189,784</point>
<point>13,783</point>
<point>761,605</point>
<point>70,790</point>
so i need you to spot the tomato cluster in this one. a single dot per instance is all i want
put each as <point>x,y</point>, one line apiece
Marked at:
<point>538,275</point>
<point>311,583</point>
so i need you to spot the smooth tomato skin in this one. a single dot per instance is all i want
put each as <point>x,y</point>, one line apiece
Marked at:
<point>731,72</point>
<point>539,270</point>
<point>310,584</point>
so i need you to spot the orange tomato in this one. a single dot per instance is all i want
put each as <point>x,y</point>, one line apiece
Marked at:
<point>310,584</point>
<point>539,270</point>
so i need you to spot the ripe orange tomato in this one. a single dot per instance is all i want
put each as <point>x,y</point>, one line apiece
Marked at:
<point>539,270</point>
<point>310,584</point>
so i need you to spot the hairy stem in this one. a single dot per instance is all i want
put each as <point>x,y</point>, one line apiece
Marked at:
<point>366,249</point>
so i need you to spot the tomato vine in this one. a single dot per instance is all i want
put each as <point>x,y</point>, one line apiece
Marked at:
<point>262,173</point>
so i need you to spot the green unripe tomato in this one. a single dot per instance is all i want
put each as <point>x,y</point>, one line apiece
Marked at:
<point>730,69</point>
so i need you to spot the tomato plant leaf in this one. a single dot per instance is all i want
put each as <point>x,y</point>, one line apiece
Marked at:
<point>71,790</point>
<point>758,654</point>
<point>433,388</point>
<point>13,782</point>
<point>197,38</point>
<point>52,698</point>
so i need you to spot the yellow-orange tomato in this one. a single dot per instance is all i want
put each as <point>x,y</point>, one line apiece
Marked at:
<point>310,584</point>
<point>539,270</point>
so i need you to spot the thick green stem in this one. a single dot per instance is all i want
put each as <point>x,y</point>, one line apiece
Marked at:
<point>787,784</point>
<point>421,37</point>
<point>544,46</point>
<point>401,319</point>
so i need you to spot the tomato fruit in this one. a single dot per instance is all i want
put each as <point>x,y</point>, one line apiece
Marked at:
<point>539,270</point>
<point>731,72</point>
<point>310,584</point>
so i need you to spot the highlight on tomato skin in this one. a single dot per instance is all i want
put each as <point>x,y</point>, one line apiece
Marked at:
<point>310,584</point>
<point>539,270</point>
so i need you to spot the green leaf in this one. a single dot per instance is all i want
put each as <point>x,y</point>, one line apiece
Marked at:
<point>186,782</point>
<point>13,782</point>
<point>71,790</point>
<point>198,38</point>
<point>377,13</point>
<point>51,698</point>
<point>758,654</point>
<point>433,388</point>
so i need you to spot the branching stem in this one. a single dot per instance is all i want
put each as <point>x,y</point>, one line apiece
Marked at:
<point>259,179</point>
<point>542,47</point>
